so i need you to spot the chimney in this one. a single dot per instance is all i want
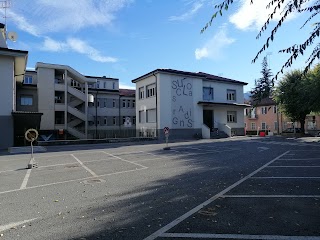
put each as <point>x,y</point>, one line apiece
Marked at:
<point>3,40</point>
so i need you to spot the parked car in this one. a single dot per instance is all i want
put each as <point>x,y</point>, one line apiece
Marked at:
<point>291,130</point>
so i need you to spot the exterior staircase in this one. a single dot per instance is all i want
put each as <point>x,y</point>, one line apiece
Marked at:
<point>76,133</point>
<point>217,134</point>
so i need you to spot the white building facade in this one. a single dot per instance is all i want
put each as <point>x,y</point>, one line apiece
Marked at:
<point>190,104</point>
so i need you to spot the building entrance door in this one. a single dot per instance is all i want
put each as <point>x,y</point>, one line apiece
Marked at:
<point>208,118</point>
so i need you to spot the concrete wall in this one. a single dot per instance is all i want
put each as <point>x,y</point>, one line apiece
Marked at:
<point>46,97</point>
<point>145,103</point>
<point>220,91</point>
<point>6,129</point>
<point>7,100</point>
<point>7,90</point>
<point>29,92</point>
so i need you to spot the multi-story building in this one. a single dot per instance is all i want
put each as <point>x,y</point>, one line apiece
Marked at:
<point>12,69</point>
<point>189,104</point>
<point>267,116</point>
<point>74,105</point>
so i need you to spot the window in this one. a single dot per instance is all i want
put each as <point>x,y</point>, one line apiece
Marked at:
<point>105,121</point>
<point>58,99</point>
<point>246,111</point>
<point>141,93</point>
<point>27,79</point>
<point>98,102</point>
<point>114,121</point>
<point>263,126</point>
<point>26,100</point>
<point>275,125</point>
<point>275,109</point>
<point>74,83</point>
<point>245,125</point>
<point>134,120</point>
<point>123,103</point>
<point>263,110</point>
<point>207,93</point>
<point>253,126</point>
<point>133,103</point>
<point>104,85</point>
<point>98,121</point>
<point>113,85</point>
<point>231,116</point>
<point>141,118</point>
<point>98,84</point>
<point>113,103</point>
<point>151,90</point>
<point>105,103</point>
<point>151,115</point>
<point>123,120</point>
<point>128,103</point>
<point>231,95</point>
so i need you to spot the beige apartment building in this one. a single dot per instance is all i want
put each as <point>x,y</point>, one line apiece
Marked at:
<point>75,106</point>
<point>267,116</point>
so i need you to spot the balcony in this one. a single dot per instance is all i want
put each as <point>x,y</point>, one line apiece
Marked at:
<point>252,116</point>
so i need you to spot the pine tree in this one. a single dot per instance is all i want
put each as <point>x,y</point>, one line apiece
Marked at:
<point>264,85</point>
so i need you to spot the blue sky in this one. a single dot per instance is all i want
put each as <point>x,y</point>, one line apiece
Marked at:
<point>127,38</point>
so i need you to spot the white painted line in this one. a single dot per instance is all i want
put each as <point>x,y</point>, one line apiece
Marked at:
<point>84,166</point>
<point>25,180</point>
<point>210,200</point>
<point>271,196</point>
<point>14,224</point>
<point>287,177</point>
<point>73,180</point>
<point>297,159</point>
<point>146,160</point>
<point>125,160</point>
<point>237,236</point>
<point>274,166</point>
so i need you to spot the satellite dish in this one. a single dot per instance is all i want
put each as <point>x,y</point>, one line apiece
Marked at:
<point>13,36</point>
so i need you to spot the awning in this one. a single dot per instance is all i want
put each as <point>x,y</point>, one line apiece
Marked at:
<point>212,104</point>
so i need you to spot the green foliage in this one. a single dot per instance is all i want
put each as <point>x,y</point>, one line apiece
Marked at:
<point>264,85</point>
<point>293,96</point>
<point>287,9</point>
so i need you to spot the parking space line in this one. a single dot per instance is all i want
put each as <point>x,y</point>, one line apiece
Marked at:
<point>175,222</point>
<point>274,166</point>
<point>297,159</point>
<point>287,177</point>
<point>25,180</point>
<point>84,166</point>
<point>237,236</point>
<point>271,196</point>
<point>124,160</point>
<point>14,224</point>
<point>146,160</point>
<point>72,180</point>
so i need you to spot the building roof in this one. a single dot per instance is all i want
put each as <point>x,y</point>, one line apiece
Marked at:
<point>103,77</point>
<point>20,61</point>
<point>264,102</point>
<point>201,75</point>
<point>127,92</point>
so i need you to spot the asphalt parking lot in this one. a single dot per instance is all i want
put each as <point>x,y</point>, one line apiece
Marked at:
<point>238,188</point>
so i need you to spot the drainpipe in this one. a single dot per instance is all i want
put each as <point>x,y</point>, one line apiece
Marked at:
<point>156,103</point>
<point>96,120</point>
<point>119,111</point>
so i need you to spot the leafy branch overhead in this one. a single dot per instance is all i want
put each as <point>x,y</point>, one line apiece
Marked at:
<point>286,8</point>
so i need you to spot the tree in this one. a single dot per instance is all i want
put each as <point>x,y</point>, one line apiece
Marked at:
<point>264,85</point>
<point>310,7</point>
<point>314,81</point>
<point>293,96</point>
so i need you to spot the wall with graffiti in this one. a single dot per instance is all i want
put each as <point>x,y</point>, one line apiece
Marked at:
<point>182,103</point>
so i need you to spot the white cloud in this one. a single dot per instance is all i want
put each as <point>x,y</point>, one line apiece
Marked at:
<point>75,45</point>
<point>196,6</point>
<point>213,47</point>
<point>253,16</point>
<point>125,86</point>
<point>44,16</point>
